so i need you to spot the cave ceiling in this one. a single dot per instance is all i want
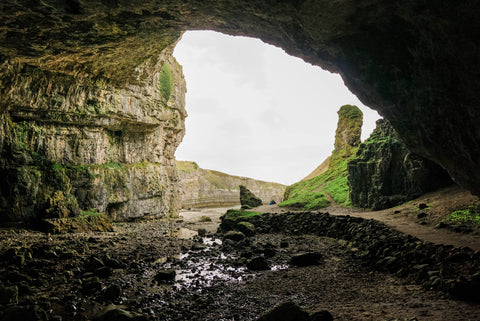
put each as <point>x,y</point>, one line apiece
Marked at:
<point>416,62</point>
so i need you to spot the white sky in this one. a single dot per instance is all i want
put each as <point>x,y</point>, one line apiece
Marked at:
<point>255,111</point>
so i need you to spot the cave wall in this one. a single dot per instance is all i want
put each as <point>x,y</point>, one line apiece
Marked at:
<point>69,145</point>
<point>385,173</point>
<point>416,61</point>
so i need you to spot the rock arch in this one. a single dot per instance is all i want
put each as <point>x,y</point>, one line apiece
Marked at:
<point>417,61</point>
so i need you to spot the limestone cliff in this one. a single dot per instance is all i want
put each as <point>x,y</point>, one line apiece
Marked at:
<point>385,173</point>
<point>103,148</point>
<point>415,61</point>
<point>206,188</point>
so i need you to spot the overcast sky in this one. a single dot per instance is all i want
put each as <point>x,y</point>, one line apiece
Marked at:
<point>255,111</point>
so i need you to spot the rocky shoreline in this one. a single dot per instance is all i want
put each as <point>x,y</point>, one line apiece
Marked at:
<point>434,266</point>
<point>163,270</point>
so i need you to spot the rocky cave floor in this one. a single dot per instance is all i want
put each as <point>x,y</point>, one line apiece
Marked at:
<point>75,276</point>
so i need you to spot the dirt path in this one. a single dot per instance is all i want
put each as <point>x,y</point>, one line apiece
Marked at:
<point>405,218</point>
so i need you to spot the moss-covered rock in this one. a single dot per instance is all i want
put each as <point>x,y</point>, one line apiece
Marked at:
<point>247,198</point>
<point>385,173</point>
<point>83,223</point>
<point>85,144</point>
<point>349,127</point>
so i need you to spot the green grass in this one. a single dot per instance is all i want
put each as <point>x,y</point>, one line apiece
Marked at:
<point>310,194</point>
<point>236,214</point>
<point>112,165</point>
<point>165,82</point>
<point>90,213</point>
<point>469,216</point>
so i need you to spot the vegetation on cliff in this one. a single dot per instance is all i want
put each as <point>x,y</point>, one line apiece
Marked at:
<point>165,82</point>
<point>385,173</point>
<point>315,192</point>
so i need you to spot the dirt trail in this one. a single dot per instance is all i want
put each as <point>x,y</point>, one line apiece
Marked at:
<point>405,217</point>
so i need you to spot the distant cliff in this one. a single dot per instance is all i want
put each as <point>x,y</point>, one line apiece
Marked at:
<point>207,188</point>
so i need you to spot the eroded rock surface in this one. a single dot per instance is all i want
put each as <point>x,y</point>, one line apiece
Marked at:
<point>385,173</point>
<point>71,143</point>
<point>416,62</point>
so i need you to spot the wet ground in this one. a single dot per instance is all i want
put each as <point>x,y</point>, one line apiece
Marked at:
<point>162,270</point>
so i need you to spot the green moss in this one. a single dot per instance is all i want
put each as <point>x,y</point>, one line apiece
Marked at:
<point>350,112</point>
<point>239,214</point>
<point>90,213</point>
<point>469,216</point>
<point>165,82</point>
<point>112,165</point>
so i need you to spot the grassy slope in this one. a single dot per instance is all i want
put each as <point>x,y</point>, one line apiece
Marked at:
<point>310,194</point>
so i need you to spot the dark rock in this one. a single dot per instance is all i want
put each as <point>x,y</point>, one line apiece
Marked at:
<point>234,236</point>
<point>258,263</point>
<point>385,173</point>
<point>23,313</point>
<point>422,215</point>
<point>269,252</point>
<point>112,292</point>
<point>103,272</point>
<point>202,232</point>
<point>91,285</point>
<point>8,294</point>
<point>165,276</point>
<point>422,206</point>
<point>247,198</point>
<point>93,263</point>
<point>246,228</point>
<point>284,244</point>
<point>198,246</point>
<point>288,311</point>
<point>306,259</point>
<point>117,313</point>
<point>321,316</point>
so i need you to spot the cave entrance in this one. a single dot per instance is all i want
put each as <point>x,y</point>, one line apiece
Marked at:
<point>255,111</point>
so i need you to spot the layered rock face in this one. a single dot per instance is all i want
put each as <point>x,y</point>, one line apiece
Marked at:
<point>415,61</point>
<point>71,143</point>
<point>386,173</point>
<point>206,188</point>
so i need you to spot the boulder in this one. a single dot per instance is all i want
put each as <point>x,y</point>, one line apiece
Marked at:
<point>165,276</point>
<point>248,199</point>
<point>23,313</point>
<point>117,313</point>
<point>258,263</point>
<point>287,311</point>
<point>321,316</point>
<point>8,294</point>
<point>246,228</point>
<point>306,259</point>
<point>234,236</point>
